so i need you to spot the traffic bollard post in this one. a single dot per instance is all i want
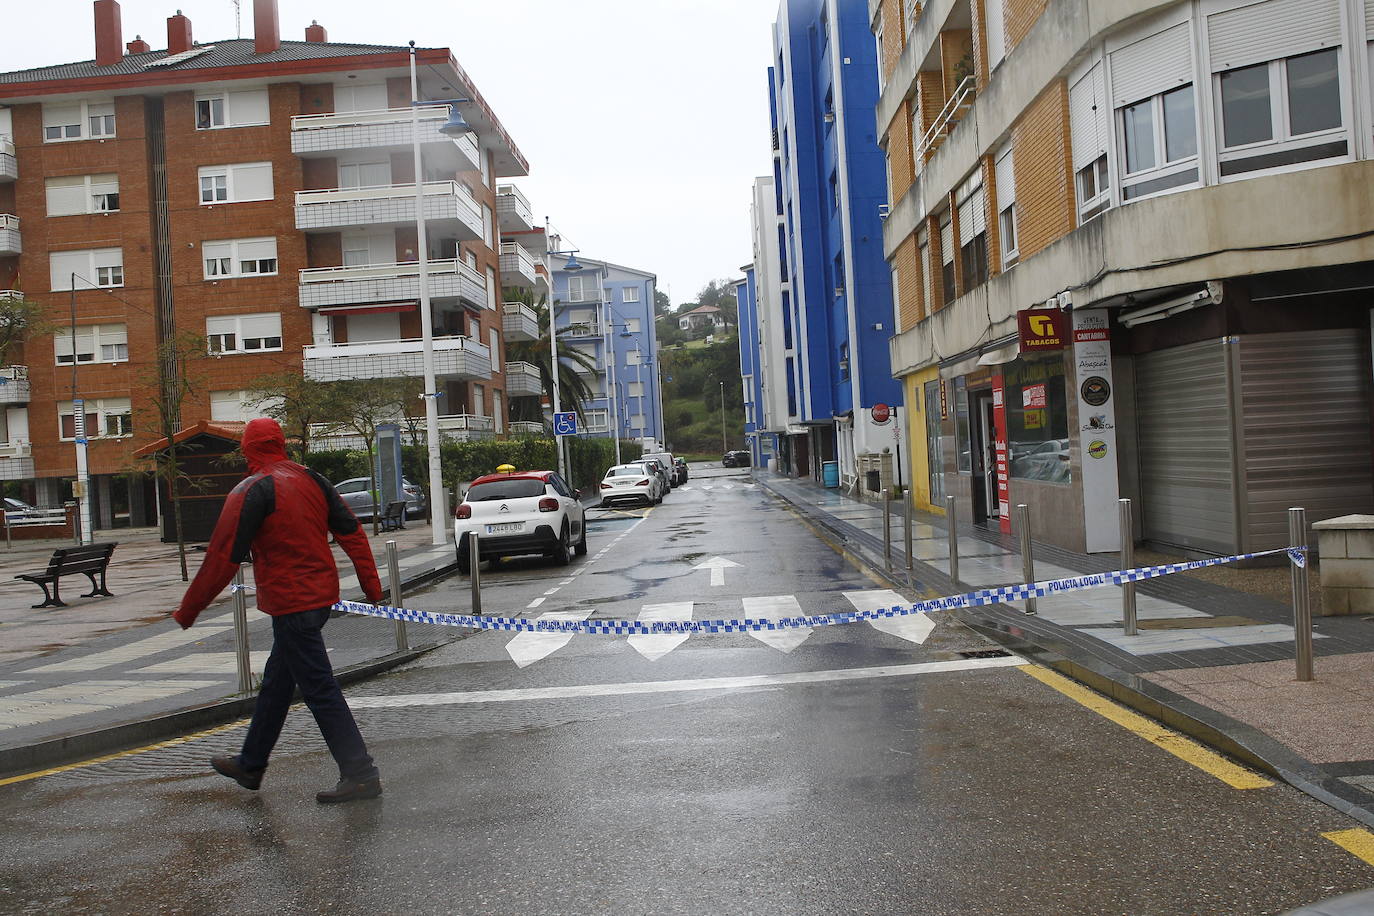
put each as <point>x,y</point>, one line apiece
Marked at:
<point>1027,560</point>
<point>906,533</point>
<point>1127,562</point>
<point>245,661</point>
<point>475,570</point>
<point>952,523</point>
<point>1302,608</point>
<point>393,572</point>
<point>887,529</point>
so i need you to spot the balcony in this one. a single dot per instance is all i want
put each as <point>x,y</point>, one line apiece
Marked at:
<point>526,428</point>
<point>519,321</point>
<point>584,329</point>
<point>389,129</point>
<point>14,385</point>
<point>459,427</point>
<point>522,380</point>
<point>9,166</point>
<point>18,448</point>
<point>465,427</point>
<point>323,287</point>
<point>456,358</point>
<point>517,266</point>
<point>959,103</point>
<point>9,236</point>
<point>448,206</point>
<point>513,209</point>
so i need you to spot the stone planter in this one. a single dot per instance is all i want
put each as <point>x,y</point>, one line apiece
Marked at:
<point>1345,546</point>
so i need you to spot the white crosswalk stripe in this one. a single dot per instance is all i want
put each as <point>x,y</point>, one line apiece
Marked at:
<point>914,627</point>
<point>773,607</point>
<point>654,647</point>
<point>527,648</point>
<point>128,652</point>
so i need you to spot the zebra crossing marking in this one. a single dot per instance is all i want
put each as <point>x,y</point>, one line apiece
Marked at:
<point>914,628</point>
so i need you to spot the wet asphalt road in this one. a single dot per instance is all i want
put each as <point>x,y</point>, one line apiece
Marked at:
<point>978,790</point>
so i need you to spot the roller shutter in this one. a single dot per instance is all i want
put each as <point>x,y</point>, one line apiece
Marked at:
<point>1088,117</point>
<point>1152,65</point>
<point>1271,30</point>
<point>1185,448</point>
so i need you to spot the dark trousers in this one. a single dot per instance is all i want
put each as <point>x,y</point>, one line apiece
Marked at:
<point>299,659</point>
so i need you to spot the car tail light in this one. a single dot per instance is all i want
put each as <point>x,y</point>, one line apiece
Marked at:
<point>643,483</point>
<point>464,511</point>
<point>605,486</point>
<point>548,504</point>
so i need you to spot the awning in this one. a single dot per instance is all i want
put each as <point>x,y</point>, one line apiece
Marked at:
<point>1003,354</point>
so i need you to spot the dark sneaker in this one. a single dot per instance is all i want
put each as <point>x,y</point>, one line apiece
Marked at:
<point>229,766</point>
<point>350,790</point>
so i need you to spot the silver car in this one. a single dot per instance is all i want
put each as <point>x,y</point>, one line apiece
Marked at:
<point>357,496</point>
<point>631,483</point>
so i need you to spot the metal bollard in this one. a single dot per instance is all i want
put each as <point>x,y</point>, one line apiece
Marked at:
<point>906,533</point>
<point>952,521</point>
<point>1302,608</point>
<point>887,529</point>
<point>393,572</point>
<point>245,661</point>
<point>475,569</point>
<point>1027,559</point>
<point>1127,562</point>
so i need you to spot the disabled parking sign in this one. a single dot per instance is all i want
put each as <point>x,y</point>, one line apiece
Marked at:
<point>565,424</point>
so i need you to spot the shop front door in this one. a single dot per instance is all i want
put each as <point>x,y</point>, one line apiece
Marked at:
<point>985,502</point>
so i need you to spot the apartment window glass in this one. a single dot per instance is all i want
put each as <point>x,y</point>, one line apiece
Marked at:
<point>1245,114</point>
<point>494,340</point>
<point>630,294</point>
<point>239,258</point>
<point>82,194</point>
<point>1180,124</point>
<point>1093,189</point>
<point>242,108</point>
<point>210,113</point>
<point>1281,113</point>
<point>95,343</point>
<point>492,288</point>
<point>364,174</point>
<point>250,333</point>
<point>1137,127</point>
<point>632,324</point>
<point>213,187</point>
<point>234,183</point>
<point>947,261</point>
<point>1037,420</point>
<point>91,268</point>
<point>79,121</point>
<point>105,417</point>
<point>101,119</point>
<point>1159,144</point>
<point>584,289</point>
<point>1314,92</point>
<point>488,222</point>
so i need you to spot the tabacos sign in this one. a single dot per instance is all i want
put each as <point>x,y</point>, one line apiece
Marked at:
<point>1041,330</point>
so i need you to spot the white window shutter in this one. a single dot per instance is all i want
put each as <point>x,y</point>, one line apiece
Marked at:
<point>108,257</point>
<point>1087,117</point>
<point>248,107</point>
<point>62,264</point>
<point>223,324</point>
<point>1006,179</point>
<point>267,324</point>
<point>257,249</point>
<point>1271,30</point>
<point>66,196</point>
<point>947,243</point>
<point>996,28</point>
<point>1152,65</point>
<point>253,181</point>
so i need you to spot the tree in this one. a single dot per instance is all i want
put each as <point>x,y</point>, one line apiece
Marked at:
<point>721,294</point>
<point>359,406</point>
<point>19,318</point>
<point>662,304</point>
<point>297,403</point>
<point>572,385</point>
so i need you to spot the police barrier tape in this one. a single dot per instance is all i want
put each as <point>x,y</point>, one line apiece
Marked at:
<point>656,627</point>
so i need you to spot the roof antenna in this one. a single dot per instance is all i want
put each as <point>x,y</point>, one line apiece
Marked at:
<point>238,19</point>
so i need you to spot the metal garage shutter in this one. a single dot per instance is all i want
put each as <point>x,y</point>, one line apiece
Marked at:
<point>1306,430</point>
<point>1186,455</point>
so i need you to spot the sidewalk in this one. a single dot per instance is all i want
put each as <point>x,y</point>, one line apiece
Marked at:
<point>1213,662</point>
<point>104,672</point>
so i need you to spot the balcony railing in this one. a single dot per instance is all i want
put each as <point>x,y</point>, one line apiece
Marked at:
<point>9,235</point>
<point>519,321</point>
<point>954,109</point>
<point>16,448</point>
<point>526,428</point>
<point>523,381</point>
<point>585,328</point>
<point>9,166</point>
<point>459,427</point>
<point>513,209</point>
<point>517,266</point>
<point>322,287</point>
<point>338,208</point>
<point>454,357</point>
<point>14,385</point>
<point>389,128</point>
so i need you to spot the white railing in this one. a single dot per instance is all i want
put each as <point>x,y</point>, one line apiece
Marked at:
<point>6,146</point>
<point>11,295</point>
<point>363,118</point>
<point>960,100</point>
<point>466,422</point>
<point>510,200</point>
<point>525,427</point>
<point>523,257</point>
<point>9,221</point>
<point>14,373</point>
<point>520,310</point>
<point>385,347</point>
<point>28,517</point>
<point>584,329</point>
<point>385,192</point>
<point>388,271</point>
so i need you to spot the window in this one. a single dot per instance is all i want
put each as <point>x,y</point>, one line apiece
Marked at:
<point>632,324</point>
<point>104,417</point>
<point>82,194</point>
<point>844,360</point>
<point>1282,112</point>
<point>79,121</point>
<point>365,174</point>
<point>234,183</point>
<point>494,342</point>
<point>239,258</point>
<point>1037,420</point>
<point>243,333</point>
<point>488,223</point>
<point>634,390</point>
<point>1088,124</point>
<point>232,109</point>
<point>947,259</point>
<point>882,62</point>
<point>631,294</point>
<point>973,230</point>
<point>632,358</point>
<point>95,343</point>
<point>911,14</point>
<point>1159,144</point>
<point>90,269</point>
<point>492,288</point>
<point>584,289</point>
<point>1094,189</point>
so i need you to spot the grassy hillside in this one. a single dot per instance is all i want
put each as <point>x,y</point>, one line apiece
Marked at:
<point>692,376</point>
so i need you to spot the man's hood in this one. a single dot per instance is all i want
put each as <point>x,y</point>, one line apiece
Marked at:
<point>263,444</point>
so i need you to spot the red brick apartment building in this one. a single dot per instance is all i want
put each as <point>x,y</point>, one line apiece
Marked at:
<point>260,193</point>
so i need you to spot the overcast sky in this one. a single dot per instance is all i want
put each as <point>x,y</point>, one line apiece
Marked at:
<point>644,121</point>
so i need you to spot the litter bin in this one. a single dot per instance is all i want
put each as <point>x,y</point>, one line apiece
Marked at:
<point>873,480</point>
<point>830,473</point>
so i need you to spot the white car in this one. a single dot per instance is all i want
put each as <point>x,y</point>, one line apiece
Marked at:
<point>631,483</point>
<point>520,513</point>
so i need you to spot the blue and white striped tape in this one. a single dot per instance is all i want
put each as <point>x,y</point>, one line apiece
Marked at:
<point>656,627</point>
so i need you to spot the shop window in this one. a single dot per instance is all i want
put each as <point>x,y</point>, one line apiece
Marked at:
<point>963,440</point>
<point>935,450</point>
<point>1037,420</point>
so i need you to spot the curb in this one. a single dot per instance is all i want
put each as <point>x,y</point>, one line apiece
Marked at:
<point>124,736</point>
<point>1228,736</point>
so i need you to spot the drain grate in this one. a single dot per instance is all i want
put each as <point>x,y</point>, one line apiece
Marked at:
<point>986,653</point>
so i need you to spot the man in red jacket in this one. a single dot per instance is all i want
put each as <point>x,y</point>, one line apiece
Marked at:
<point>284,513</point>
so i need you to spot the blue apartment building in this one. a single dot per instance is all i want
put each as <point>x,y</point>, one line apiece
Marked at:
<point>830,180</point>
<point>607,312</point>
<point>761,444</point>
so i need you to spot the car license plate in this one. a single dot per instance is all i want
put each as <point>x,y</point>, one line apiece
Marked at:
<point>509,528</point>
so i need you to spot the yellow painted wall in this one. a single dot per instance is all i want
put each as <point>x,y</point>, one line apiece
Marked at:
<point>915,416</point>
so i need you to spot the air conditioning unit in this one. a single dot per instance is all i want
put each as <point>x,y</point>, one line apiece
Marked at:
<point>884,210</point>
<point>829,117</point>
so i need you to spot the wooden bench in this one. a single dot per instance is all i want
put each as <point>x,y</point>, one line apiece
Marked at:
<point>89,560</point>
<point>394,515</point>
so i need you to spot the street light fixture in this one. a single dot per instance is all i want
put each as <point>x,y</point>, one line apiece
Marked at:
<point>455,126</point>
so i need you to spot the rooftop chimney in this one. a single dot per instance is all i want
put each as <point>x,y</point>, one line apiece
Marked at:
<point>178,34</point>
<point>266,29</point>
<point>316,32</point>
<point>109,35</point>
<point>138,45</point>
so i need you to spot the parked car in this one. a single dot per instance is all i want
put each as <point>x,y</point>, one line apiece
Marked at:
<point>631,483</point>
<point>658,468</point>
<point>16,508</point>
<point>682,468</point>
<point>736,458</point>
<point>357,496</point>
<point>668,462</point>
<point>520,513</point>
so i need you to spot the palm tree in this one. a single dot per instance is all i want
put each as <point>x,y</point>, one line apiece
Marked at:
<point>572,385</point>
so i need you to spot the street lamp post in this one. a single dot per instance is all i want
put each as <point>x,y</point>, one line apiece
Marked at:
<point>83,501</point>
<point>610,374</point>
<point>571,266</point>
<point>724,447</point>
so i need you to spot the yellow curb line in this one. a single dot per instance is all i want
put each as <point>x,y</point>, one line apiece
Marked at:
<point>1357,841</point>
<point>1210,762</point>
<point>129,753</point>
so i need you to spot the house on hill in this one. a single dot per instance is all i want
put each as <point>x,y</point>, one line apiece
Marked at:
<point>703,316</point>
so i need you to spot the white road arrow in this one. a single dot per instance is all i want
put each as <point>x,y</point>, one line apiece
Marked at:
<point>913,627</point>
<point>655,646</point>
<point>718,566</point>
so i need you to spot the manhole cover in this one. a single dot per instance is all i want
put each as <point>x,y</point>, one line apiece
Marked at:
<point>985,653</point>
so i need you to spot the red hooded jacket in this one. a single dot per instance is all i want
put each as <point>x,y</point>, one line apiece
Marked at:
<point>284,514</point>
